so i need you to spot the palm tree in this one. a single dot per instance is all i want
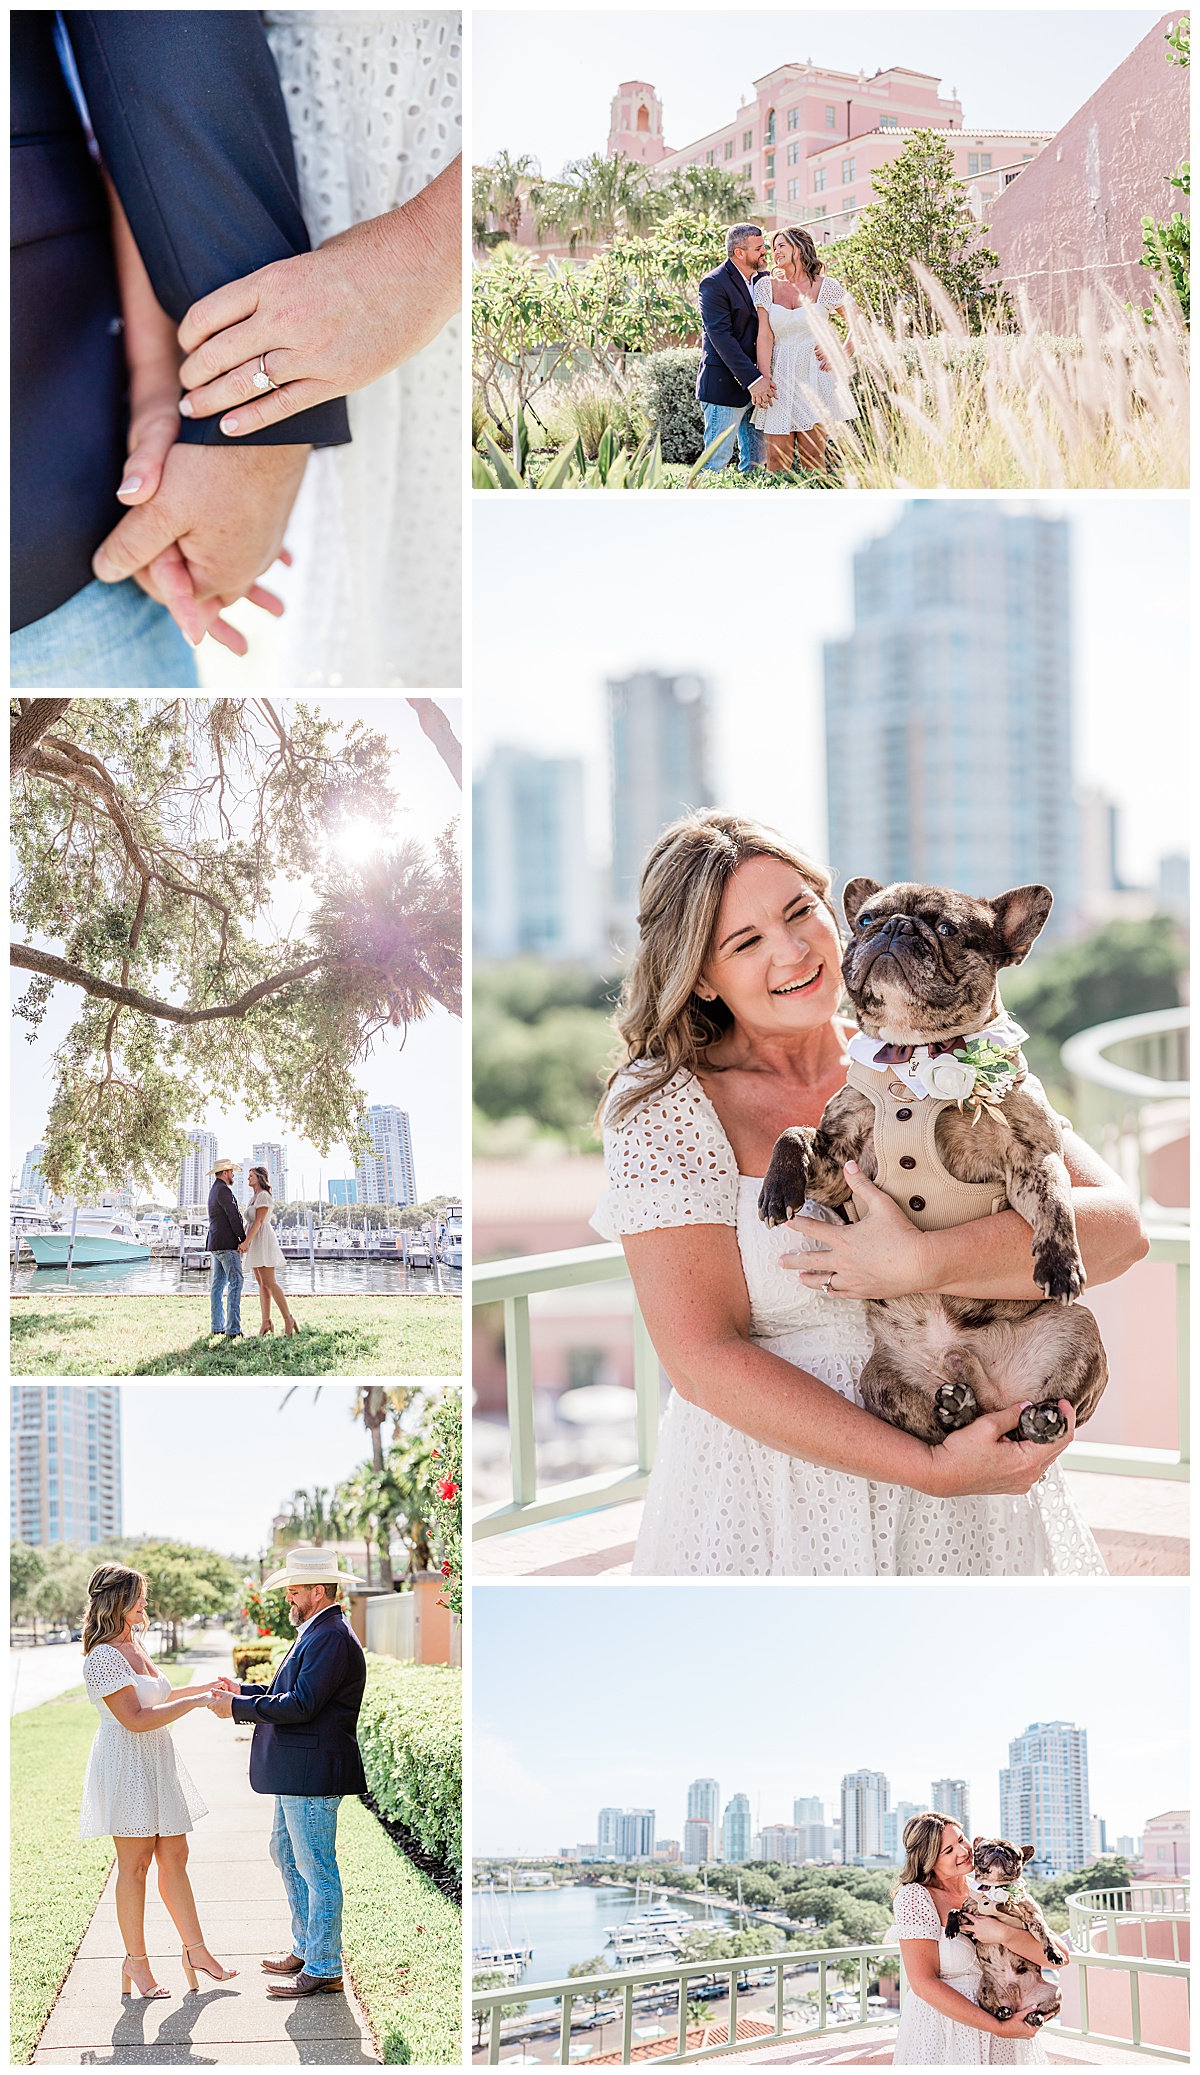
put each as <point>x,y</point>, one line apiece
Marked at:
<point>509,181</point>
<point>706,191</point>
<point>596,198</point>
<point>308,1515</point>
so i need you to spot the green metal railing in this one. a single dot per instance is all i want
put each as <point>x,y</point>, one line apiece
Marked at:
<point>489,2004</point>
<point>513,1283</point>
<point>1114,1909</point>
<point>1123,1073</point>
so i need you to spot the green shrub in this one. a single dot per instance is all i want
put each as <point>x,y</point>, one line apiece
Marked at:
<point>253,1662</point>
<point>403,1944</point>
<point>670,403</point>
<point>410,1736</point>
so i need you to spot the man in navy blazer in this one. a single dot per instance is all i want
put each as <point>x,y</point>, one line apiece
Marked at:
<point>729,383</point>
<point>226,1236</point>
<point>304,1751</point>
<point>184,110</point>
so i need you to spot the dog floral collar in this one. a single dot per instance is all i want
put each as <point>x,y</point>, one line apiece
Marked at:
<point>972,1071</point>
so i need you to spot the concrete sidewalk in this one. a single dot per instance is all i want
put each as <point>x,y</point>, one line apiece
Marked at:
<point>241,1902</point>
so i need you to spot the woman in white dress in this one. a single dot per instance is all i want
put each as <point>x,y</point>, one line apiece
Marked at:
<point>941,2024</point>
<point>767,1464</point>
<point>135,1790</point>
<point>374,102</point>
<point>262,1252</point>
<point>809,394</point>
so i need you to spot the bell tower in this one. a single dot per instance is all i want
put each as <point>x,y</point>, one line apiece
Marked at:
<point>635,124</point>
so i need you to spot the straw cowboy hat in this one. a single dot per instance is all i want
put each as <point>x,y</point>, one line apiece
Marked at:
<point>221,1166</point>
<point>305,1566</point>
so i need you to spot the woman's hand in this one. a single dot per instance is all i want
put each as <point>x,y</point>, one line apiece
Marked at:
<point>982,1459</point>
<point>1013,2028</point>
<point>328,321</point>
<point>883,1255</point>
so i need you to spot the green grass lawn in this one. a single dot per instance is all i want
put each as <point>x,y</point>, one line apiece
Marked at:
<point>168,1336</point>
<point>56,1877</point>
<point>404,1943</point>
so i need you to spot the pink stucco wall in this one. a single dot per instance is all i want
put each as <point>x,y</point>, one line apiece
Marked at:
<point>1073,219</point>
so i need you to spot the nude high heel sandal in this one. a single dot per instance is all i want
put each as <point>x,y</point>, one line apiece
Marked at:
<point>264,1330</point>
<point>222,1974</point>
<point>129,1985</point>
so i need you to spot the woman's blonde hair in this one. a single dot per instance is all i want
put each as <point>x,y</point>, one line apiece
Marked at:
<point>660,1016</point>
<point>804,249</point>
<point>112,1596</point>
<point>264,1179</point>
<point>923,1836</point>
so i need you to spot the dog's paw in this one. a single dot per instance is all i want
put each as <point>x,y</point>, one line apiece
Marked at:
<point>1041,1423</point>
<point>1004,2012</point>
<point>785,1184</point>
<point>1036,2018</point>
<point>954,1923</point>
<point>1058,1272</point>
<point>954,1405</point>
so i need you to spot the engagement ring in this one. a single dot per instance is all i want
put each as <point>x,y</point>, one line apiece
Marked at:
<point>826,1285</point>
<point>262,379</point>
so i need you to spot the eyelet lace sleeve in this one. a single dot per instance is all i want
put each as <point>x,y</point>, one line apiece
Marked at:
<point>830,294</point>
<point>667,1163</point>
<point>105,1671</point>
<point>915,1914</point>
<point>761,293</point>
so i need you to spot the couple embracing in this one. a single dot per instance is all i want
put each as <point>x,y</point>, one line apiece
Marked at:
<point>765,377</point>
<point>304,1751</point>
<point>233,1249</point>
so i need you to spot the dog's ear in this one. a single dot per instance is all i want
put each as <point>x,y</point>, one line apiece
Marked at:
<point>1026,1854</point>
<point>1021,916</point>
<point>975,1843</point>
<point>858,893</point>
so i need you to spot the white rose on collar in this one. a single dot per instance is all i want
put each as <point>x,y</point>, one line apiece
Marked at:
<point>949,1078</point>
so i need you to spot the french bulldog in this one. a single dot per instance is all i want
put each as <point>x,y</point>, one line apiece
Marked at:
<point>921,970</point>
<point>1009,1986</point>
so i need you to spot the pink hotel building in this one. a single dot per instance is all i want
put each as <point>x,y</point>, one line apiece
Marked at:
<point>811,141</point>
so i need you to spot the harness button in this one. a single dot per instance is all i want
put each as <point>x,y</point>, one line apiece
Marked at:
<point>906,1160</point>
<point>916,1203</point>
<point>902,1116</point>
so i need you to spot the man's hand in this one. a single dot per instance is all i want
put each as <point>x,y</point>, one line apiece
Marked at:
<point>763,392</point>
<point>226,510</point>
<point>226,1685</point>
<point>222,1705</point>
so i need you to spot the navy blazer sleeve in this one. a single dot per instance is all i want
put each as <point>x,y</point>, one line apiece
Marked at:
<point>718,326</point>
<point>189,116</point>
<point>319,1675</point>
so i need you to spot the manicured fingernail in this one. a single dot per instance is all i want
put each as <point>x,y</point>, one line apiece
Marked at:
<point>128,487</point>
<point>185,406</point>
<point>851,1167</point>
<point>229,424</point>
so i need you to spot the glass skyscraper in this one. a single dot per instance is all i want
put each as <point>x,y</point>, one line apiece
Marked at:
<point>65,1462</point>
<point>1044,1798</point>
<point>658,732</point>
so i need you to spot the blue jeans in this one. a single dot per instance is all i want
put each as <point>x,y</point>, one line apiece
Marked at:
<point>227,1272</point>
<point>107,634</point>
<point>304,1847</point>
<point>725,417</point>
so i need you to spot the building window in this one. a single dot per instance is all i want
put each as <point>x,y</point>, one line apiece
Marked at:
<point>819,179</point>
<point>985,161</point>
<point>847,171</point>
<point>793,190</point>
<point>746,171</point>
<point>729,147</point>
<point>710,158</point>
<point>793,118</point>
<point>770,165</point>
<point>793,154</point>
<point>769,133</point>
<point>972,163</point>
<point>889,122</point>
<point>770,198</point>
<point>831,118</point>
<point>820,211</point>
<point>850,208</point>
<point>747,140</point>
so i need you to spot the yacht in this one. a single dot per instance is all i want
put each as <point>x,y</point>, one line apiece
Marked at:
<point>449,1242</point>
<point>100,1236</point>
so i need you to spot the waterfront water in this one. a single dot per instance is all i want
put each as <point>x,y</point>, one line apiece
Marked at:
<point>563,1925</point>
<point>165,1278</point>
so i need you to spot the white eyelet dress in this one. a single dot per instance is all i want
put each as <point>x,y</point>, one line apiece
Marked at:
<point>264,1250</point>
<point>808,394</point>
<point>134,1785</point>
<point>374,103</point>
<point>926,2038</point>
<point>723,1505</point>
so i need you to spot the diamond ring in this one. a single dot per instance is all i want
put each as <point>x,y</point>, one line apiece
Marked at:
<point>262,379</point>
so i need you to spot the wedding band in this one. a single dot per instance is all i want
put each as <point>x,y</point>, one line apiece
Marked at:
<point>262,379</point>
<point>828,1282</point>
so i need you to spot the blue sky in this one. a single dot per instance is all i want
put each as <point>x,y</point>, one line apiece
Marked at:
<point>590,1695</point>
<point>423,1075</point>
<point>542,80</point>
<point>746,588</point>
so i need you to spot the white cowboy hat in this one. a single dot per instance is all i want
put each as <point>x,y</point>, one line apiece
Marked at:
<point>304,1566</point>
<point>221,1166</point>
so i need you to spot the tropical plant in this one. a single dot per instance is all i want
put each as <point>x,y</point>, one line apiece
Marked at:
<point>447,1477</point>
<point>154,842</point>
<point>267,1612</point>
<point>920,213</point>
<point>501,188</point>
<point>1166,247</point>
<point>595,199</point>
<point>706,191</point>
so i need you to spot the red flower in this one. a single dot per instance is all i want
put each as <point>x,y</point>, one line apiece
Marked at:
<point>447,1567</point>
<point>447,1490</point>
<point>435,1453</point>
<point>264,1631</point>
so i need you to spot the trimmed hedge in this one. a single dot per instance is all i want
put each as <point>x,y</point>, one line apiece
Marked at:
<point>410,1736</point>
<point>404,1945</point>
<point>254,1663</point>
<point>668,385</point>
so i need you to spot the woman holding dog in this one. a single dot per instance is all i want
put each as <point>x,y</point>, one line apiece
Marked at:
<point>767,1465</point>
<point>941,2024</point>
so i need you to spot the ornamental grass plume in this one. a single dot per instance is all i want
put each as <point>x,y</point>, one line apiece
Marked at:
<point>1016,409</point>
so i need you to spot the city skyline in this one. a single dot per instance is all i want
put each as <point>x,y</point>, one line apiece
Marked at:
<point>785,1748</point>
<point>763,653</point>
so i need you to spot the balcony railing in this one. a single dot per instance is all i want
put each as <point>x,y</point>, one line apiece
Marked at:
<point>1129,1076</point>
<point>1113,1910</point>
<point>513,1283</point>
<point>864,1960</point>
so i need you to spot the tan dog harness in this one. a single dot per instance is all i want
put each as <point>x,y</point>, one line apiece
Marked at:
<point>909,1167</point>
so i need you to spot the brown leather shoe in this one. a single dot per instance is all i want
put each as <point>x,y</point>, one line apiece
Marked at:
<point>305,1985</point>
<point>290,1965</point>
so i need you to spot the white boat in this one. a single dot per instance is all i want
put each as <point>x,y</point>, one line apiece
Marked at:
<point>508,1960</point>
<point>449,1239</point>
<point>100,1236</point>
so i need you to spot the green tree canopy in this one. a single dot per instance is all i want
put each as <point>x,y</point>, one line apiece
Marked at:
<point>1124,969</point>
<point>920,213</point>
<point>26,1569</point>
<point>157,842</point>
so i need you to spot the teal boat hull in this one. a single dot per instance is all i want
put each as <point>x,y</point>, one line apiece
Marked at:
<point>50,1250</point>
